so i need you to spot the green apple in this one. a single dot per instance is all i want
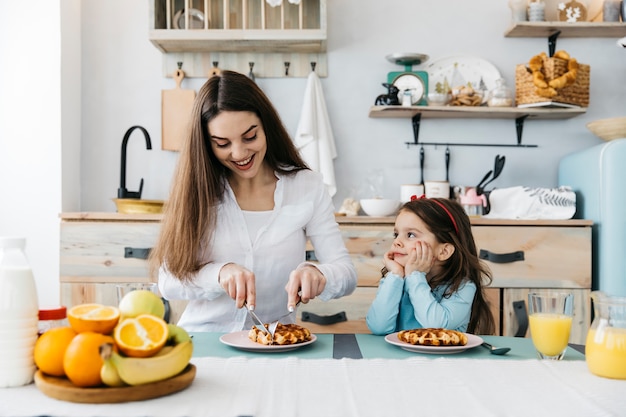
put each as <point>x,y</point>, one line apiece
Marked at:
<point>176,334</point>
<point>141,302</point>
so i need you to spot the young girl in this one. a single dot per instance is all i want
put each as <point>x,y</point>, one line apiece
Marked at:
<point>432,275</point>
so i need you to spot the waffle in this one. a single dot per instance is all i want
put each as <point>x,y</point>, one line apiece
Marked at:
<point>285,334</point>
<point>433,337</point>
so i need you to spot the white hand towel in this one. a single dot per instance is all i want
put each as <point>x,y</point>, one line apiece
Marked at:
<point>314,136</point>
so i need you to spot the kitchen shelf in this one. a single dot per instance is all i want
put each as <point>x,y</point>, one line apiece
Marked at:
<point>553,30</point>
<point>478,112</point>
<point>416,113</point>
<point>277,41</point>
<point>568,30</point>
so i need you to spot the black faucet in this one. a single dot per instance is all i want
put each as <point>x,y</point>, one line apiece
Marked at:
<point>122,192</point>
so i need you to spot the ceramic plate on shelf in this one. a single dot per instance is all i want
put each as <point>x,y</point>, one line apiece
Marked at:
<point>196,19</point>
<point>472,342</point>
<point>241,341</point>
<point>480,73</point>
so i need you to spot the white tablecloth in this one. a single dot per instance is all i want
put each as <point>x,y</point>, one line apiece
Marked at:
<point>239,386</point>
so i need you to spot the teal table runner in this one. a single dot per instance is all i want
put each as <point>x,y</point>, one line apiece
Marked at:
<point>521,348</point>
<point>371,347</point>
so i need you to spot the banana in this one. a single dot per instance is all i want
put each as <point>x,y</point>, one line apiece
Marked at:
<point>138,371</point>
<point>109,375</point>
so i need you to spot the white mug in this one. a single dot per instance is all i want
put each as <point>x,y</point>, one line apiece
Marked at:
<point>437,189</point>
<point>409,190</point>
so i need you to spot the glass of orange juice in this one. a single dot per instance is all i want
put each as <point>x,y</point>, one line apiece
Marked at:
<point>550,320</point>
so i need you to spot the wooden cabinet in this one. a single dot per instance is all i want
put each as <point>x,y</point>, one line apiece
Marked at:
<point>237,33</point>
<point>99,250</point>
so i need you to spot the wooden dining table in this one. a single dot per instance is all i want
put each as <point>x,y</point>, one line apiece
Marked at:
<point>360,375</point>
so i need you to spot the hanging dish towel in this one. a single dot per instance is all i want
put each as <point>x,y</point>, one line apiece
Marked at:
<point>314,137</point>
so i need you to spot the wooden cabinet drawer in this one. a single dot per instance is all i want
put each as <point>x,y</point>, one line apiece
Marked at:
<point>354,305</point>
<point>554,257</point>
<point>95,251</point>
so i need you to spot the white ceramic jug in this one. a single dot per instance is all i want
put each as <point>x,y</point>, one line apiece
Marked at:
<point>19,311</point>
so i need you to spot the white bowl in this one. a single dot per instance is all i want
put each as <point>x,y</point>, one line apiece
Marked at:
<point>380,207</point>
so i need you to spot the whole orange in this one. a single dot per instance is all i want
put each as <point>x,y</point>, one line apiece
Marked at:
<point>50,350</point>
<point>82,361</point>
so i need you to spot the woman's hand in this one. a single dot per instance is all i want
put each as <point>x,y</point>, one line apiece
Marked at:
<point>420,259</point>
<point>391,265</point>
<point>239,284</point>
<point>305,283</point>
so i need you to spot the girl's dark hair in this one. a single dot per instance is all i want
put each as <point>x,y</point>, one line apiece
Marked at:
<point>199,182</point>
<point>464,264</point>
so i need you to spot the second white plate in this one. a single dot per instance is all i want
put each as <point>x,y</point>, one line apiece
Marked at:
<point>472,342</point>
<point>241,341</point>
<point>473,70</point>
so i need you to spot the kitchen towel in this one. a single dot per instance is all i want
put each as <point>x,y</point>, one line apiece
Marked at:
<point>525,203</point>
<point>314,136</point>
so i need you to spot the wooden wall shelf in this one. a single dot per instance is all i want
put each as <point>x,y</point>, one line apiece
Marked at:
<point>416,113</point>
<point>568,30</point>
<point>479,112</point>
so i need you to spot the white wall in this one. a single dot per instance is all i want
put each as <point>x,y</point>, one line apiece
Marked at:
<point>123,78</point>
<point>30,135</point>
<point>110,78</point>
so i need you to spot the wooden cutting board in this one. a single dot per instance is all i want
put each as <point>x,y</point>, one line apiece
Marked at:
<point>63,389</point>
<point>176,108</point>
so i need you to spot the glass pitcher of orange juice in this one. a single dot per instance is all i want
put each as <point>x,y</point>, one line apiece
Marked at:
<point>605,349</point>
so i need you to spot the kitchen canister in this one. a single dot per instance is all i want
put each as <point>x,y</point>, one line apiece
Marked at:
<point>19,314</point>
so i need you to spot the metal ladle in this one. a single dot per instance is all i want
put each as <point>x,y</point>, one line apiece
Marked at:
<point>496,350</point>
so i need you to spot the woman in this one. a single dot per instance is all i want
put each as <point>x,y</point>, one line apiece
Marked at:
<point>432,274</point>
<point>242,206</point>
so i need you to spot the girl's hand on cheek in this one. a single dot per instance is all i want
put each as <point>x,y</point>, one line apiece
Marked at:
<point>420,259</point>
<point>391,265</point>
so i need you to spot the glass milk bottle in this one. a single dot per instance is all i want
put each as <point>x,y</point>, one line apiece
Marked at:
<point>19,314</point>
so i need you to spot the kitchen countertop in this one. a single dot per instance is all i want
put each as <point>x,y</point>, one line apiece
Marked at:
<point>477,221</point>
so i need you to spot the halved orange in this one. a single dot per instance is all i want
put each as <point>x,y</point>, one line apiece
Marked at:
<point>141,336</point>
<point>96,318</point>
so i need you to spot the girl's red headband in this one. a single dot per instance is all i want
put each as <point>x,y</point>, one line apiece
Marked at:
<point>414,197</point>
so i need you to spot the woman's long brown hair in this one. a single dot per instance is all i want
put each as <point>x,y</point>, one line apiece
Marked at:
<point>199,181</point>
<point>464,263</point>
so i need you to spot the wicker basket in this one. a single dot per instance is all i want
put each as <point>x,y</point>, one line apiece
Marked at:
<point>577,93</point>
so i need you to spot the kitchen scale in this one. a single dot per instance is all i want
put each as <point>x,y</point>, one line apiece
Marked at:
<point>414,81</point>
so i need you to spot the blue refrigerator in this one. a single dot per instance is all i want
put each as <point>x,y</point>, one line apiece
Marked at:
<point>598,176</point>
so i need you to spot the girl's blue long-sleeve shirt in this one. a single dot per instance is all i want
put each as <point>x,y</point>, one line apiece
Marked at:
<point>409,303</point>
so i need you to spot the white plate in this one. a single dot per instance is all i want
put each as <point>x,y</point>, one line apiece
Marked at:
<point>241,341</point>
<point>473,70</point>
<point>196,19</point>
<point>472,342</point>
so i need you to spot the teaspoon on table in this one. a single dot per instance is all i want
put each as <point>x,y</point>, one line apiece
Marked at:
<point>496,350</point>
